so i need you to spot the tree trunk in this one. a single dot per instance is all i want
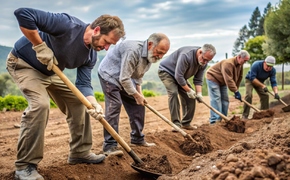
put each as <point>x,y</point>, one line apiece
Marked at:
<point>283,76</point>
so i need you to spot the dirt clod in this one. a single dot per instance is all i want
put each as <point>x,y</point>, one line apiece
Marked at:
<point>263,114</point>
<point>236,125</point>
<point>201,144</point>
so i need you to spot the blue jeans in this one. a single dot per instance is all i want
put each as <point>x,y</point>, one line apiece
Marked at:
<point>219,100</point>
<point>114,98</point>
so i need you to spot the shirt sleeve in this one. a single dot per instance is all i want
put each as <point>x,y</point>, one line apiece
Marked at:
<point>228,76</point>
<point>52,23</point>
<point>181,67</point>
<point>128,65</point>
<point>253,72</point>
<point>198,77</point>
<point>273,78</point>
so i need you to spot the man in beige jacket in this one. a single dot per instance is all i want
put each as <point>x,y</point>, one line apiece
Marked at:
<point>225,74</point>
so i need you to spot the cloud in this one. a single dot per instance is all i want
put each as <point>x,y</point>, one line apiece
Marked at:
<point>186,22</point>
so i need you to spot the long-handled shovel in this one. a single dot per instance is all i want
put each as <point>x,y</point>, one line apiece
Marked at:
<point>186,135</point>
<point>234,124</point>
<point>286,108</point>
<point>106,125</point>
<point>259,114</point>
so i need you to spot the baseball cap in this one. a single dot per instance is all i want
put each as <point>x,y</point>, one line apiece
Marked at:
<point>270,61</point>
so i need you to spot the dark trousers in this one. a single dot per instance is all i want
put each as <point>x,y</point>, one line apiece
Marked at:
<point>174,90</point>
<point>114,98</point>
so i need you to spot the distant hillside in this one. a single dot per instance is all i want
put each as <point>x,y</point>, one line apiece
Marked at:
<point>151,75</point>
<point>4,50</point>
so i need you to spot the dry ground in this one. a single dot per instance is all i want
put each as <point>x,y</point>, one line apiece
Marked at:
<point>262,152</point>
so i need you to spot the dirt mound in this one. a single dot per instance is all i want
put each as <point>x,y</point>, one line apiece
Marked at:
<point>261,152</point>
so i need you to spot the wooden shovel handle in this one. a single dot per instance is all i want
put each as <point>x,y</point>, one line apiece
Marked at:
<point>216,111</point>
<point>250,105</point>
<point>87,103</point>
<point>166,120</point>
<point>279,98</point>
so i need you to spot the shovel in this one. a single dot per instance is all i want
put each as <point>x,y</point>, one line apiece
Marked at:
<point>216,111</point>
<point>187,136</point>
<point>234,124</point>
<point>259,114</point>
<point>286,108</point>
<point>106,125</point>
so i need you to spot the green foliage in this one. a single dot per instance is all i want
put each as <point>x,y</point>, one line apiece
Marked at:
<point>239,44</point>
<point>256,28</point>
<point>254,47</point>
<point>7,85</point>
<point>254,23</point>
<point>99,96</point>
<point>52,104</point>
<point>277,30</point>
<point>13,103</point>
<point>148,93</point>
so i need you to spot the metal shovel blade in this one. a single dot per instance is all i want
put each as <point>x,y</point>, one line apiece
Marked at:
<point>286,108</point>
<point>145,172</point>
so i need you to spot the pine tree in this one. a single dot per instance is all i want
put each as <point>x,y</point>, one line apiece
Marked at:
<point>254,23</point>
<point>260,30</point>
<point>241,40</point>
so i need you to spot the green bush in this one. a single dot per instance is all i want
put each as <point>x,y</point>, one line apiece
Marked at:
<point>148,93</point>
<point>99,96</point>
<point>13,103</point>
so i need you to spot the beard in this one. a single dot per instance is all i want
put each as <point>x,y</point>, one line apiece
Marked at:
<point>95,43</point>
<point>200,63</point>
<point>151,58</point>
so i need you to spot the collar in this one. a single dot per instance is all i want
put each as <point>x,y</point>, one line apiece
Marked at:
<point>144,52</point>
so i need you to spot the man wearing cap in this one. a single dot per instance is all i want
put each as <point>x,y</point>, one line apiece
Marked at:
<point>259,72</point>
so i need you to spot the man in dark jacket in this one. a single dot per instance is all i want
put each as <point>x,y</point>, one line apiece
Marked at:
<point>175,70</point>
<point>57,39</point>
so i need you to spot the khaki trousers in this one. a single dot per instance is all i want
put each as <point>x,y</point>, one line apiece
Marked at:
<point>264,97</point>
<point>38,88</point>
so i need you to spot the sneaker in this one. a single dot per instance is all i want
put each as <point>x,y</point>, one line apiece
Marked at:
<point>145,144</point>
<point>91,158</point>
<point>189,127</point>
<point>114,151</point>
<point>29,173</point>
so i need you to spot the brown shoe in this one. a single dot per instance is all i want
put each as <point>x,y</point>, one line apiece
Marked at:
<point>145,144</point>
<point>189,127</point>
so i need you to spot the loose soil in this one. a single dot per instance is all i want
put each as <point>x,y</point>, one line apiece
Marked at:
<point>261,151</point>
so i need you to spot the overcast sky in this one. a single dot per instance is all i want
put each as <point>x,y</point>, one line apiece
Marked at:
<point>185,22</point>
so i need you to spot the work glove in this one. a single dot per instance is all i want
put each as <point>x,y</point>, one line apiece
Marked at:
<point>191,94</point>
<point>199,97</point>
<point>45,55</point>
<point>265,89</point>
<point>96,112</point>
<point>277,96</point>
<point>238,95</point>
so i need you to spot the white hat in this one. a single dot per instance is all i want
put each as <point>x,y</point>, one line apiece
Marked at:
<point>270,61</point>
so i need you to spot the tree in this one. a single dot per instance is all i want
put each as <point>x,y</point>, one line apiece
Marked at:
<point>277,30</point>
<point>241,40</point>
<point>260,30</point>
<point>7,86</point>
<point>254,47</point>
<point>254,23</point>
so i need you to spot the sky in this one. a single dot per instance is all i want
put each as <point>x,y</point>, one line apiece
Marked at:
<point>185,22</point>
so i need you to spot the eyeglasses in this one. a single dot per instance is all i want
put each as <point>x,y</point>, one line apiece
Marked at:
<point>205,60</point>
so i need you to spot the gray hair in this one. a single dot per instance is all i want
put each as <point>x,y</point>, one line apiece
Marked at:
<point>208,47</point>
<point>243,54</point>
<point>157,37</point>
